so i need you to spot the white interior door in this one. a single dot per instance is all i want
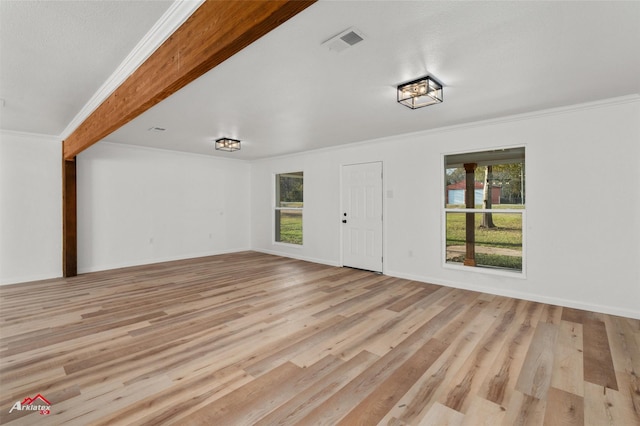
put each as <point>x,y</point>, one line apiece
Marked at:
<point>362,216</point>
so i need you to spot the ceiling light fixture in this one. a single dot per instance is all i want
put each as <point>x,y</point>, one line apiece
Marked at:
<point>227,144</point>
<point>420,93</point>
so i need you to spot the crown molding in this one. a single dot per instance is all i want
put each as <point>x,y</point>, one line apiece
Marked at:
<point>602,103</point>
<point>176,15</point>
<point>21,134</point>
<point>128,146</point>
<point>566,109</point>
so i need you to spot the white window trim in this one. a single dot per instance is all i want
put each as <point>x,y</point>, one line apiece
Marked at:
<point>443,223</point>
<point>275,208</point>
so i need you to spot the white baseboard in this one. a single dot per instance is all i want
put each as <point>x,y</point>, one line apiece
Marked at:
<point>29,278</point>
<point>305,258</point>
<point>610,310</point>
<point>140,262</point>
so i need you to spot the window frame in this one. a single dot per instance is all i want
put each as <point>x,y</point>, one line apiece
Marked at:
<point>445,210</point>
<point>276,208</point>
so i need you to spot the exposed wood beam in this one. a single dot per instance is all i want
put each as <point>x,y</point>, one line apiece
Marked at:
<point>69,219</point>
<point>213,33</point>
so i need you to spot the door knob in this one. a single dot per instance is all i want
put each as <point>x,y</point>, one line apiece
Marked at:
<point>344,220</point>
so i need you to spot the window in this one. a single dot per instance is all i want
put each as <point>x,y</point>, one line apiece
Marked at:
<point>484,212</point>
<point>288,207</point>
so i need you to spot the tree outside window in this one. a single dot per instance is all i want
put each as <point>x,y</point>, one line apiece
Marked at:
<point>485,209</point>
<point>289,207</point>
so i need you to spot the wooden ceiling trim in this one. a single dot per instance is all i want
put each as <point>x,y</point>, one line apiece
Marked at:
<point>213,33</point>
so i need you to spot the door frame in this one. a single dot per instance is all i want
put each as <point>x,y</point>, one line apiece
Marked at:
<point>384,212</point>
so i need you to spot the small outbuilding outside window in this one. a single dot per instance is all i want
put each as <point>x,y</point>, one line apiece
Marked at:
<point>484,211</point>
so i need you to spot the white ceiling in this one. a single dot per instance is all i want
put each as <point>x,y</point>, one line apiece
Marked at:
<point>54,55</point>
<point>287,92</point>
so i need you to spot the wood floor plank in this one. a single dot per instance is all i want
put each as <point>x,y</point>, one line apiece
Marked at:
<point>249,403</point>
<point>344,343</point>
<point>598,363</point>
<point>299,406</point>
<point>461,337</point>
<point>535,376</point>
<point>501,377</point>
<point>551,314</point>
<point>442,415</point>
<point>394,331</point>
<point>625,350</point>
<point>178,402</point>
<point>469,379</point>
<point>411,299</point>
<point>524,410</point>
<point>568,369</point>
<point>577,315</point>
<point>251,338</point>
<point>564,409</point>
<point>91,406</point>
<point>353,393</point>
<point>63,334</point>
<point>291,350</point>
<point>355,303</point>
<point>374,407</point>
<point>143,344</point>
<point>483,412</point>
<point>606,407</point>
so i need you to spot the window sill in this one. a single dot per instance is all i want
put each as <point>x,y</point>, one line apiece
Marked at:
<point>278,243</point>
<point>486,270</point>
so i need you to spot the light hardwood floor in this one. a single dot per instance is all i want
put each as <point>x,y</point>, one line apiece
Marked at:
<point>254,339</point>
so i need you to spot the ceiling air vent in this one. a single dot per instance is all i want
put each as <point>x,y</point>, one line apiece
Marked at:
<point>344,40</point>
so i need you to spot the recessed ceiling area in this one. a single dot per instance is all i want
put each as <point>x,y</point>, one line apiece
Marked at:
<point>287,92</point>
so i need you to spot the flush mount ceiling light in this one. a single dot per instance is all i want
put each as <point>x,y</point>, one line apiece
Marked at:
<point>420,93</point>
<point>227,144</point>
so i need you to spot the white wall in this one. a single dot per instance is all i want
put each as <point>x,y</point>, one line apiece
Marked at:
<point>579,253</point>
<point>139,205</point>
<point>30,207</point>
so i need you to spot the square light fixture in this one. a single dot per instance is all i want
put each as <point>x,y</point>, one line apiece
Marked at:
<point>227,144</point>
<point>420,93</point>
